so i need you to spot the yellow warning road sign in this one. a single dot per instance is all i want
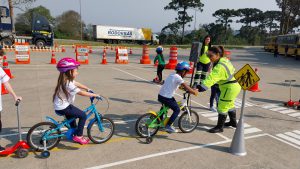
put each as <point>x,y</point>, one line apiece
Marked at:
<point>246,77</point>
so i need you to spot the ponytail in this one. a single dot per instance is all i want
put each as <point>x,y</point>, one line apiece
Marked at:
<point>222,50</point>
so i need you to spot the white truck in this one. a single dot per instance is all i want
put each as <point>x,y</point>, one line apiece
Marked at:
<point>115,35</point>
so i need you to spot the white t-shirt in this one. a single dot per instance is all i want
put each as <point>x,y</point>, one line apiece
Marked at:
<point>4,78</point>
<point>171,84</point>
<point>60,104</point>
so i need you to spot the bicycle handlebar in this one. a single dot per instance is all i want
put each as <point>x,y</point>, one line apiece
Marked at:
<point>17,102</point>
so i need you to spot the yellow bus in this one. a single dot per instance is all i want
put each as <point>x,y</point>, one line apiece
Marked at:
<point>270,42</point>
<point>289,44</point>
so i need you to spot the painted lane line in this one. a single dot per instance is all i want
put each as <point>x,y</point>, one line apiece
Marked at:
<point>270,106</point>
<point>210,114</point>
<point>213,118</point>
<point>224,137</point>
<point>167,153</point>
<point>287,111</point>
<point>251,130</point>
<point>296,131</point>
<point>294,114</point>
<point>288,138</point>
<point>279,139</point>
<point>205,112</point>
<point>293,135</point>
<point>279,109</point>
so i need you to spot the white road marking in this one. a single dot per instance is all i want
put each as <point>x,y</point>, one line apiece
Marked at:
<point>287,111</point>
<point>167,153</point>
<point>212,114</point>
<point>251,130</point>
<point>279,139</point>
<point>293,135</point>
<point>270,106</point>
<point>294,114</point>
<point>279,109</point>
<point>296,131</point>
<point>288,138</point>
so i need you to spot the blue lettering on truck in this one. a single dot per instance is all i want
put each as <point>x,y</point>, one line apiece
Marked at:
<point>123,33</point>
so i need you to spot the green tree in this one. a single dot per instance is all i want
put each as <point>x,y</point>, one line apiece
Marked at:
<point>214,31</point>
<point>24,20</point>
<point>224,18</point>
<point>182,6</point>
<point>69,24</point>
<point>290,12</point>
<point>271,17</point>
<point>249,15</point>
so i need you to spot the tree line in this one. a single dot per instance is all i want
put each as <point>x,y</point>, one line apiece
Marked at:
<point>256,24</point>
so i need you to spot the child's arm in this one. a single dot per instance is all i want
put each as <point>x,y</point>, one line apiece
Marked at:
<point>189,89</point>
<point>88,94</point>
<point>11,91</point>
<point>81,86</point>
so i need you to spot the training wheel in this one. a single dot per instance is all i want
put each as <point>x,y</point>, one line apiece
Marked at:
<point>22,152</point>
<point>45,154</point>
<point>149,140</point>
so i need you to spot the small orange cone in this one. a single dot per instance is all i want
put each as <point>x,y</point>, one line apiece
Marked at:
<point>111,48</point>
<point>6,68</point>
<point>255,88</point>
<point>53,59</point>
<point>3,90</point>
<point>63,49</point>
<point>90,50</point>
<point>191,68</point>
<point>104,62</point>
<point>227,54</point>
<point>130,51</point>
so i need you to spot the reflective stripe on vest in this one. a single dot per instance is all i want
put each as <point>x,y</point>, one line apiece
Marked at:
<point>228,72</point>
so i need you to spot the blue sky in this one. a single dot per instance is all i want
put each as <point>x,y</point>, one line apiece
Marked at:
<point>145,13</point>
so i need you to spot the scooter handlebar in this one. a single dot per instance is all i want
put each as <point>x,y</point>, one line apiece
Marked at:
<point>17,102</point>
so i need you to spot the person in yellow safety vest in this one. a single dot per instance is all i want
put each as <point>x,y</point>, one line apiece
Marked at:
<point>203,64</point>
<point>222,74</point>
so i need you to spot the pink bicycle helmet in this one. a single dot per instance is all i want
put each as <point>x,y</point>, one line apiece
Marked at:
<point>66,64</point>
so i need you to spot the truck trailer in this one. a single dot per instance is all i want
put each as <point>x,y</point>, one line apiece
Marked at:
<point>116,34</point>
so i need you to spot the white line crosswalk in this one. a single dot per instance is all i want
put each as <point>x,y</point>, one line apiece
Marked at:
<point>213,116</point>
<point>292,137</point>
<point>282,110</point>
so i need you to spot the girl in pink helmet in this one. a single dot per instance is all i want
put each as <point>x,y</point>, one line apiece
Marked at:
<point>64,96</point>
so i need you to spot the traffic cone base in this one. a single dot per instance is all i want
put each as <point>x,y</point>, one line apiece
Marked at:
<point>3,91</point>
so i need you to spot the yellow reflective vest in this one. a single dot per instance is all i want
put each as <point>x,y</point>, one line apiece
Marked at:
<point>204,58</point>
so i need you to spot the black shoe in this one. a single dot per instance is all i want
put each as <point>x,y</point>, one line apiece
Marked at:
<point>220,124</point>
<point>232,122</point>
<point>2,148</point>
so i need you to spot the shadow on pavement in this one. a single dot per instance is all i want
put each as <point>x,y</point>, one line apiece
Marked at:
<point>265,100</point>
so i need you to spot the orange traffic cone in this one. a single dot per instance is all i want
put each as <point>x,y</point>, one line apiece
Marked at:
<point>130,51</point>
<point>145,58</point>
<point>63,49</point>
<point>111,48</point>
<point>3,90</point>
<point>227,54</point>
<point>6,68</point>
<point>53,59</point>
<point>191,68</point>
<point>255,88</point>
<point>104,62</point>
<point>90,50</point>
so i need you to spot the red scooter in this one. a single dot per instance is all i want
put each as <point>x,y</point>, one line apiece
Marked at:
<point>21,147</point>
<point>291,103</point>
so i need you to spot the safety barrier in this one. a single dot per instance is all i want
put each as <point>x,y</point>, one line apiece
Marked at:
<point>121,55</point>
<point>173,58</point>
<point>145,58</point>
<point>82,54</point>
<point>22,53</point>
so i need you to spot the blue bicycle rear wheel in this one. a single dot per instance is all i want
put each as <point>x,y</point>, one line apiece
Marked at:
<point>97,136</point>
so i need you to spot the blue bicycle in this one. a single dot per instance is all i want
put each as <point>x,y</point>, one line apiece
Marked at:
<point>45,136</point>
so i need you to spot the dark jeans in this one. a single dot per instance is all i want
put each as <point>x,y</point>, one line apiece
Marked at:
<point>201,72</point>
<point>215,94</point>
<point>160,68</point>
<point>73,112</point>
<point>172,104</point>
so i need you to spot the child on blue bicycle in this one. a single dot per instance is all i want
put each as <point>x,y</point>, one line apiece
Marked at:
<point>167,91</point>
<point>64,96</point>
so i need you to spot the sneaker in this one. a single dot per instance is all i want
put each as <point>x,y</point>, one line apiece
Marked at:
<point>2,148</point>
<point>213,109</point>
<point>81,140</point>
<point>170,129</point>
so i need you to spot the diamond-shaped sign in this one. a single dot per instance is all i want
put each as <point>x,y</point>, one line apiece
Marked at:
<point>246,77</point>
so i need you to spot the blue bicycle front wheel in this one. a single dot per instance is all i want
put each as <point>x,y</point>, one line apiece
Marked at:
<point>97,136</point>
